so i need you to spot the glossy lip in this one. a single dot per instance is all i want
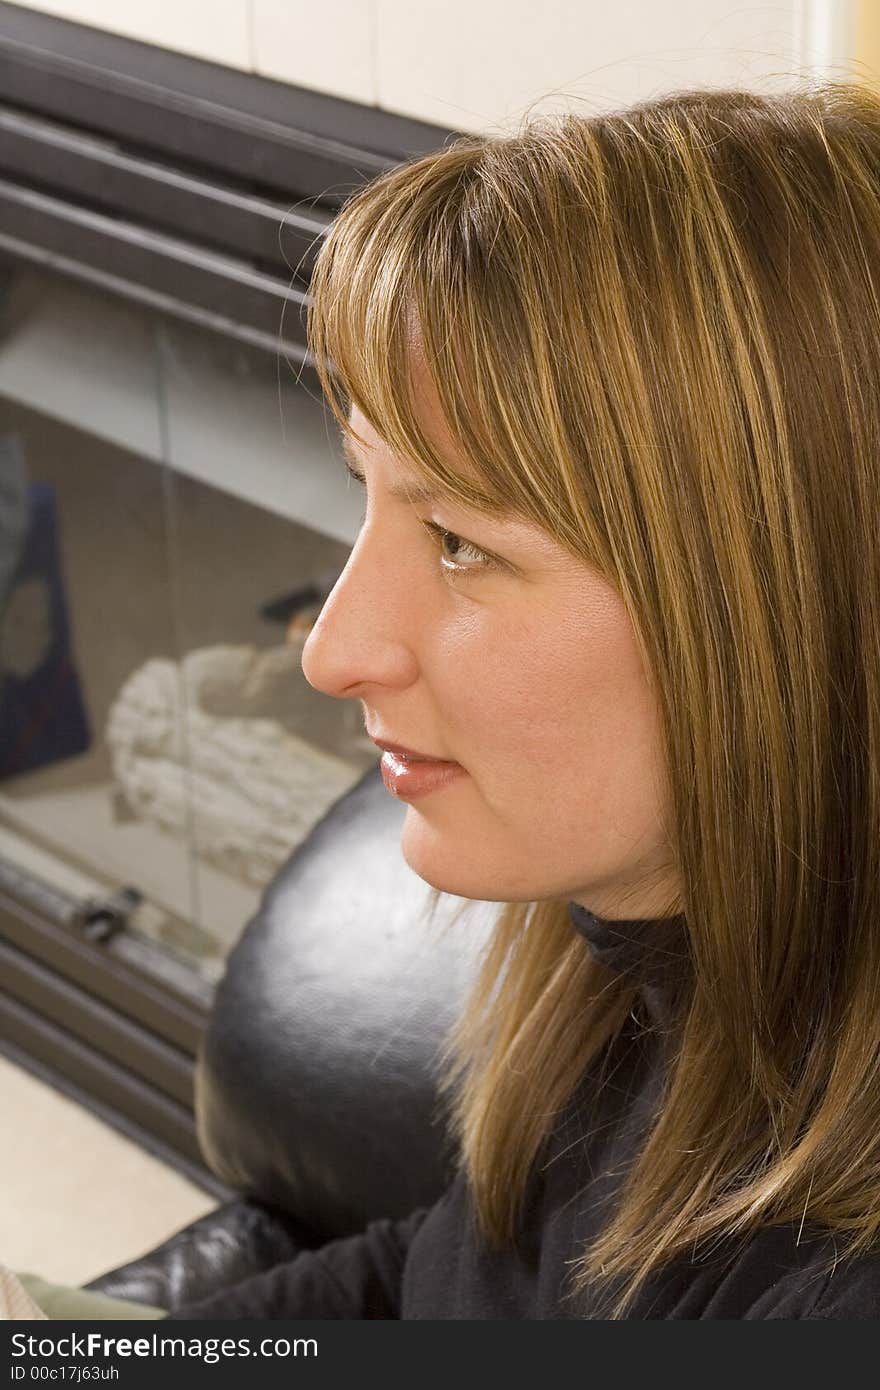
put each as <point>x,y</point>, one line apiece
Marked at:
<point>411,778</point>
<point>408,775</point>
<point>410,754</point>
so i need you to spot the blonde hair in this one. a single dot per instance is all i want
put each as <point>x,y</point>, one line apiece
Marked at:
<point>655,332</point>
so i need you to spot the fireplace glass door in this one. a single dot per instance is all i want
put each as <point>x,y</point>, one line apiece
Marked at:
<point>173,510</point>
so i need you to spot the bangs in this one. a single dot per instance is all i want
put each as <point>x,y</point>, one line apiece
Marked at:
<point>407,304</point>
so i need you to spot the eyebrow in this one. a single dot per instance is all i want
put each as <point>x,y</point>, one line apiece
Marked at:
<point>405,492</point>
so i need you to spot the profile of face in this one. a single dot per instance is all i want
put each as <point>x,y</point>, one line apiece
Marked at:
<point>486,644</point>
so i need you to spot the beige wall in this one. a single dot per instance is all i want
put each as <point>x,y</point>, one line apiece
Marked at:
<point>480,64</point>
<point>867,40</point>
<point>214,29</point>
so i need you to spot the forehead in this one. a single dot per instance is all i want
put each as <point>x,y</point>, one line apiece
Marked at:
<point>408,481</point>
<point>526,542</point>
<point>408,488</point>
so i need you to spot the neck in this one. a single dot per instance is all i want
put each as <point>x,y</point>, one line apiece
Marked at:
<point>653,951</point>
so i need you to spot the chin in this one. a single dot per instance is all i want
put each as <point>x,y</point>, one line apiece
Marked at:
<point>430,855</point>
<point>443,862</point>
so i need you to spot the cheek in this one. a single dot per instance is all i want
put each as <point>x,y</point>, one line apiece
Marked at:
<point>550,718</point>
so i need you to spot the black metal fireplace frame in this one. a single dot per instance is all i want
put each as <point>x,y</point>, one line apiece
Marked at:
<point>202,192</point>
<point>197,188</point>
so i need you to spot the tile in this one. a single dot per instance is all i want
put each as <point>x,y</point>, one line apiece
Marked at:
<point>482,67</point>
<point>326,46</point>
<point>78,1197</point>
<point>214,29</point>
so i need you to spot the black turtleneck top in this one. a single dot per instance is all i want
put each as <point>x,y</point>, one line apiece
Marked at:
<point>431,1264</point>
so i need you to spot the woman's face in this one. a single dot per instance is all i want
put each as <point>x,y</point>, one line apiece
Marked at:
<point>526,673</point>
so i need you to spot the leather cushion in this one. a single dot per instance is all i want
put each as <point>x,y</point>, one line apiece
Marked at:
<point>218,1250</point>
<point>316,1089</point>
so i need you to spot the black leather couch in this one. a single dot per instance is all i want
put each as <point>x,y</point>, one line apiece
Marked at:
<point>316,1093</point>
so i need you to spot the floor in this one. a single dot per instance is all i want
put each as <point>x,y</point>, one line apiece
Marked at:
<point>78,1197</point>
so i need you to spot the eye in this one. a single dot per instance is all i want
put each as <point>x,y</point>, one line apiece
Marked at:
<point>479,560</point>
<point>454,548</point>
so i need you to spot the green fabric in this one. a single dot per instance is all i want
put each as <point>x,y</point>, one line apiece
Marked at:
<point>62,1303</point>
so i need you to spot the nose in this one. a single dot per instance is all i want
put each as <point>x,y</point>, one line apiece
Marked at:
<point>362,636</point>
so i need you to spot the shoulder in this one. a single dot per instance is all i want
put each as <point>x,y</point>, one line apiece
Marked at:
<point>850,1292</point>
<point>826,1287</point>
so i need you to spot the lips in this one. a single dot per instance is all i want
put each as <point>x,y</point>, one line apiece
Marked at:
<point>409,755</point>
<point>413,778</point>
<point>411,775</point>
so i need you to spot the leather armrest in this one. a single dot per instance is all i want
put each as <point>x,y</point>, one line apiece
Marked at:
<point>242,1238</point>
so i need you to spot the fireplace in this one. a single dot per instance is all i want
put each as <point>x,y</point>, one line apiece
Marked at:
<point>172,513</point>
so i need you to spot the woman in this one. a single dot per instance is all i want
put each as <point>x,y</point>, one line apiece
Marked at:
<point>613,387</point>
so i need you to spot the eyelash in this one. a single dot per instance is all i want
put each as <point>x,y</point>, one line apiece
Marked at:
<point>483,561</point>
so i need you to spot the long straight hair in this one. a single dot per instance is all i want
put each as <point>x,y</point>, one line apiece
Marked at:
<point>655,332</point>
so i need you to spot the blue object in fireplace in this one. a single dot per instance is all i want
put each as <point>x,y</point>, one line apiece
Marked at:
<point>43,717</point>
